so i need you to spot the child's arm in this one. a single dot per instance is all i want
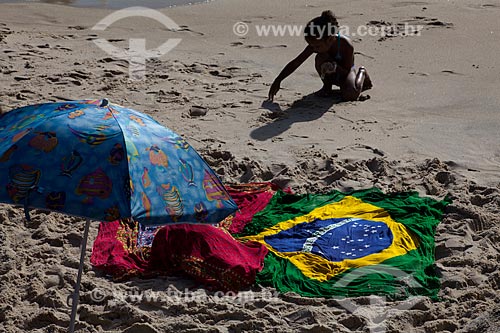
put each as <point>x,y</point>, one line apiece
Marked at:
<point>345,65</point>
<point>289,69</point>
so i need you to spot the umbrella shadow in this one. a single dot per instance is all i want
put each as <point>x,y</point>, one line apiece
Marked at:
<point>308,108</point>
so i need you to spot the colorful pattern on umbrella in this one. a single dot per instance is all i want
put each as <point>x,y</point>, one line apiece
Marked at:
<point>316,241</point>
<point>105,162</point>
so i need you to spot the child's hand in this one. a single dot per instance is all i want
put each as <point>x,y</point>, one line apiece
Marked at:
<point>273,90</point>
<point>328,68</point>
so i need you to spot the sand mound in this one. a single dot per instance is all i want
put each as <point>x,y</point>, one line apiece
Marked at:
<point>40,259</point>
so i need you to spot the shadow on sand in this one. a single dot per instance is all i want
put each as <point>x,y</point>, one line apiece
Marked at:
<point>308,108</point>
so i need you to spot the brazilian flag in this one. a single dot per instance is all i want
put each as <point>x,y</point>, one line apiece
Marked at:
<point>349,244</point>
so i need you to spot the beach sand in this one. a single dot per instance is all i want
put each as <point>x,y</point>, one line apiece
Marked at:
<point>431,125</point>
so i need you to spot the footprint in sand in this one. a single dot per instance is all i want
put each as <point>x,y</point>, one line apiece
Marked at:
<point>234,105</point>
<point>69,36</point>
<point>64,80</point>
<point>396,127</point>
<point>446,71</point>
<point>400,29</point>
<point>118,62</point>
<point>264,47</point>
<point>77,27</point>
<point>201,68</point>
<point>92,37</point>
<point>64,48</point>
<point>272,115</point>
<point>31,53</point>
<point>257,46</point>
<point>4,31</point>
<point>359,146</point>
<point>186,28</point>
<point>53,79</point>
<point>9,71</point>
<point>172,96</point>
<point>484,6</point>
<point>419,73</point>
<point>409,3</point>
<point>78,74</point>
<point>197,68</point>
<point>113,72</point>
<point>220,74</point>
<point>428,21</point>
<point>22,78</point>
<point>264,17</point>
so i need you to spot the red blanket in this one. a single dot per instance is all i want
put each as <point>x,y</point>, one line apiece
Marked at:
<point>208,254</point>
<point>251,199</point>
<point>115,249</point>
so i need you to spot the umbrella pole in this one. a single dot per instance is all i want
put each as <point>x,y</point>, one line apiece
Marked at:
<point>76,293</point>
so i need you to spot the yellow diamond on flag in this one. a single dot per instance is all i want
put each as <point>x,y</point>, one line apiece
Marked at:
<point>336,237</point>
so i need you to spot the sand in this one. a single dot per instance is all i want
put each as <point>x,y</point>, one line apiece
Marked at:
<point>430,125</point>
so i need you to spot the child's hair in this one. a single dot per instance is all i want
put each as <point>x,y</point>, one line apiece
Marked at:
<point>322,27</point>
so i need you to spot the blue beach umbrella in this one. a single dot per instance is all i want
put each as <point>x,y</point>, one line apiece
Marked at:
<point>104,162</point>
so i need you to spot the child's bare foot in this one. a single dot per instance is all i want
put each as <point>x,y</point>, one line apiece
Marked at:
<point>367,85</point>
<point>367,82</point>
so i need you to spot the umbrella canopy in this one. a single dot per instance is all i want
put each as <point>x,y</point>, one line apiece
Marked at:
<point>105,162</point>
